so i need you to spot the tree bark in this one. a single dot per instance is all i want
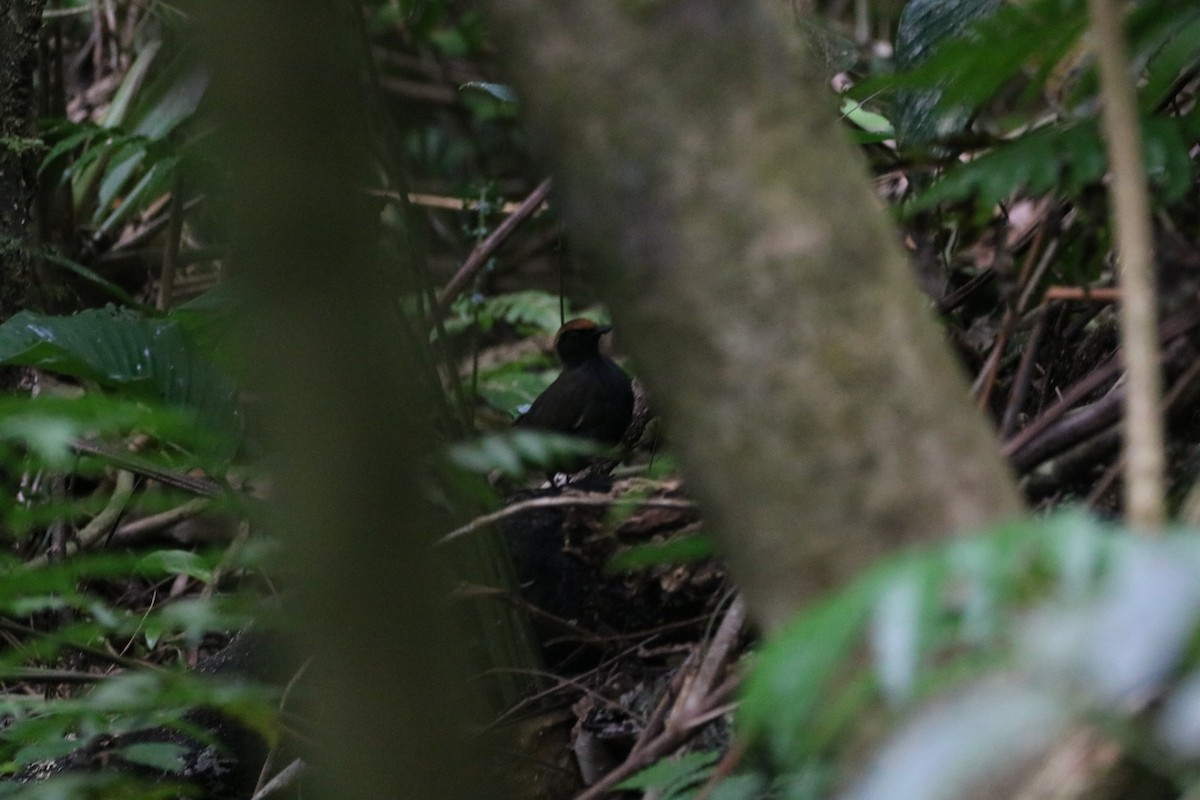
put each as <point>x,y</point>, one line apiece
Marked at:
<point>820,418</point>
<point>19,24</point>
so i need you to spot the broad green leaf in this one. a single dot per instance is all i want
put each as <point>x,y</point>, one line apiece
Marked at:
<point>146,358</point>
<point>795,669</point>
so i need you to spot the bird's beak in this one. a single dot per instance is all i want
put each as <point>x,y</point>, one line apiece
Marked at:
<point>603,329</point>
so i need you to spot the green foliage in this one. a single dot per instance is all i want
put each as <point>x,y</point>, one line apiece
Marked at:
<point>130,160</point>
<point>76,589</point>
<point>145,359</point>
<point>511,386</point>
<point>956,62</point>
<point>529,311</point>
<point>673,778</point>
<point>516,453</point>
<point>924,113</point>
<point>677,550</point>
<point>1062,604</point>
<point>99,786</point>
<point>1066,157</point>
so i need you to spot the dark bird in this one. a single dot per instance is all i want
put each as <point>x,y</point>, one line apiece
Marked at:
<point>592,396</point>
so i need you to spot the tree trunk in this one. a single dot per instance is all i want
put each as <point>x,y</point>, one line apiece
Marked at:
<point>819,415</point>
<point>19,24</point>
<point>350,421</point>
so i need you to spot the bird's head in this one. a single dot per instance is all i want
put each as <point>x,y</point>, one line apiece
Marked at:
<point>579,340</point>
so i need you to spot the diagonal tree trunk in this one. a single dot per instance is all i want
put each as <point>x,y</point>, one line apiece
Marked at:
<point>820,417</point>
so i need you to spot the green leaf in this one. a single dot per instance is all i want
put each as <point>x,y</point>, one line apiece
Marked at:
<point>510,386</point>
<point>676,550</point>
<point>130,85</point>
<point>117,175</point>
<point>177,562</point>
<point>149,188</point>
<point>954,56</point>
<point>515,452</point>
<point>901,623</point>
<point>105,285</point>
<point>667,774</point>
<point>1169,47</point>
<point>163,756</point>
<point>867,120</point>
<point>1068,155</point>
<point>794,670</point>
<point>152,359</point>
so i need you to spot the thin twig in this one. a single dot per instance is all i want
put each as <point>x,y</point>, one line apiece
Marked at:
<point>1145,508</point>
<point>1029,279</point>
<point>488,247</point>
<point>698,703</point>
<point>100,525</point>
<point>286,777</point>
<point>1021,381</point>
<point>1083,294</point>
<point>1177,325</point>
<point>660,746</point>
<point>1172,397</point>
<point>565,501</point>
<point>698,692</point>
<point>132,531</point>
<point>139,466</point>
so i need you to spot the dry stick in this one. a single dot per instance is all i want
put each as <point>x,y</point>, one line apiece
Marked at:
<point>126,461</point>
<point>147,232</point>
<point>657,720</point>
<point>51,676</point>
<point>1082,423</point>
<point>723,642</point>
<point>987,378</point>
<point>261,787</point>
<point>1024,375</point>
<point>286,777</point>
<point>166,281</point>
<point>695,705</point>
<point>1144,471</point>
<point>661,745</point>
<point>132,531</point>
<point>101,524</point>
<point>1177,325</point>
<point>560,502</point>
<point>488,247</point>
<point>1172,397</point>
<point>690,690</point>
<point>1082,293</point>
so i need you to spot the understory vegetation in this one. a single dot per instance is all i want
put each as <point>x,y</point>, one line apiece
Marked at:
<point>145,580</point>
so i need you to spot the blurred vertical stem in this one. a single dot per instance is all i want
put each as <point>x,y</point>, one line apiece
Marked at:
<point>351,427</point>
<point>1144,460</point>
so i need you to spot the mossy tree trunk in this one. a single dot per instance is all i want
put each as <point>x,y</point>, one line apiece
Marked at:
<point>20,21</point>
<point>820,417</point>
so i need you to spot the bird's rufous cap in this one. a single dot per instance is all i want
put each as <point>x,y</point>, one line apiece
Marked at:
<point>582,325</point>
